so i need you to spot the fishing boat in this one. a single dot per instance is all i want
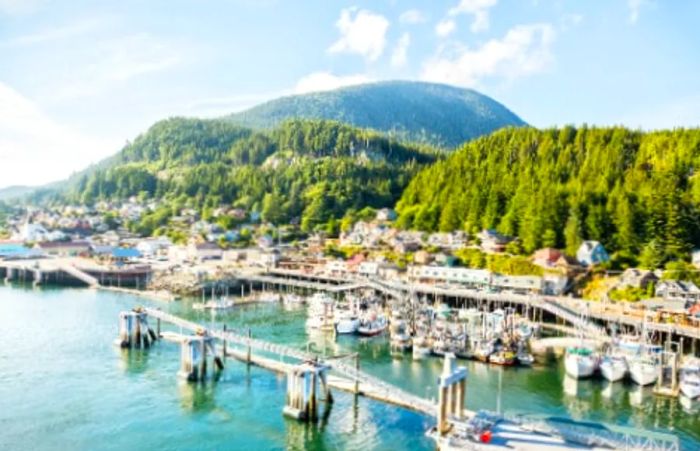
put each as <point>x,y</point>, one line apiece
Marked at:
<point>580,362</point>
<point>689,379</point>
<point>504,357</point>
<point>644,367</point>
<point>374,325</point>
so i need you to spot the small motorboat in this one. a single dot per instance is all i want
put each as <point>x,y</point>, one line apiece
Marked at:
<point>219,304</point>
<point>293,299</point>
<point>375,325</point>
<point>525,358</point>
<point>503,357</point>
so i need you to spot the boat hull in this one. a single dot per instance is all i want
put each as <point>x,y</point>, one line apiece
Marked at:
<point>643,374</point>
<point>579,367</point>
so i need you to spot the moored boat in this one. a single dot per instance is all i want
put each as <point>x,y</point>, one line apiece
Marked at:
<point>689,380</point>
<point>613,367</point>
<point>503,357</point>
<point>580,362</point>
<point>372,326</point>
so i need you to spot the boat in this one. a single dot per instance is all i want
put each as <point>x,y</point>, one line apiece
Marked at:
<point>644,367</point>
<point>613,367</point>
<point>580,362</point>
<point>421,348</point>
<point>483,351</point>
<point>525,358</point>
<point>219,304</point>
<point>503,357</point>
<point>372,326</point>
<point>293,299</point>
<point>689,379</point>
<point>347,322</point>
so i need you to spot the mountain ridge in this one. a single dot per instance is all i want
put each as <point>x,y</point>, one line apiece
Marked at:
<point>428,113</point>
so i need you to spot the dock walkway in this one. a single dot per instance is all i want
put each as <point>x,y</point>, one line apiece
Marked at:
<point>368,384</point>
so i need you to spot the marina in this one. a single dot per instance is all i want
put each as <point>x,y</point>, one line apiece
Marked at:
<point>413,391</point>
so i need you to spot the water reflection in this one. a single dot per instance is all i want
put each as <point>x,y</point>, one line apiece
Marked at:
<point>197,397</point>
<point>133,361</point>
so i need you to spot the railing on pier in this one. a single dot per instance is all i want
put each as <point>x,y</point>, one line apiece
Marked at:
<point>366,381</point>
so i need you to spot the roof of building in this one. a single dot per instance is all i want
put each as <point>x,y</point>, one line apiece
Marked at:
<point>125,252</point>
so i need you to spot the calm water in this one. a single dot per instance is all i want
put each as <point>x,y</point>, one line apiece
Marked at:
<point>64,384</point>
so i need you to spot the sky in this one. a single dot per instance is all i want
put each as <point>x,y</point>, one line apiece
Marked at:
<point>79,79</point>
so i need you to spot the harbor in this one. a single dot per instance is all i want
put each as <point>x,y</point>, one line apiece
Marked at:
<point>490,388</point>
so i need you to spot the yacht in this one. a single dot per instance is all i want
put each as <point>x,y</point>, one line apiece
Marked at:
<point>580,362</point>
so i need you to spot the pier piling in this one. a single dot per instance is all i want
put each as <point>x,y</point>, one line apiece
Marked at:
<point>452,386</point>
<point>302,389</point>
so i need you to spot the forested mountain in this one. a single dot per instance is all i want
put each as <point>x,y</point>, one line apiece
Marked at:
<point>638,193</point>
<point>439,115</point>
<point>316,171</point>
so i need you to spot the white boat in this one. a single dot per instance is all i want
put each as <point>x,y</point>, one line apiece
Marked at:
<point>220,304</point>
<point>580,362</point>
<point>293,299</point>
<point>374,325</point>
<point>613,367</point>
<point>644,370</point>
<point>689,380</point>
<point>421,347</point>
<point>347,323</point>
<point>644,367</point>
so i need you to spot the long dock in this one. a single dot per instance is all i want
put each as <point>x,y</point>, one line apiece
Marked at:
<point>368,385</point>
<point>454,423</point>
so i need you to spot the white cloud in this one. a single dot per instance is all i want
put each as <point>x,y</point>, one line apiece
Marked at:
<point>362,32</point>
<point>412,16</point>
<point>55,33</point>
<point>117,61</point>
<point>445,27</point>
<point>635,7</point>
<point>479,9</point>
<point>18,7</point>
<point>35,149</point>
<point>524,50</point>
<point>400,55</point>
<point>326,81</point>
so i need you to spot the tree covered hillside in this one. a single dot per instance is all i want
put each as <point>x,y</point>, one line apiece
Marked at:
<point>312,170</point>
<point>638,193</point>
<point>434,114</point>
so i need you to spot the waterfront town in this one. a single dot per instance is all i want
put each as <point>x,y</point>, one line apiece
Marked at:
<point>454,295</point>
<point>99,237</point>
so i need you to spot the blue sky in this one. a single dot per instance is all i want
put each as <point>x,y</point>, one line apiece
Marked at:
<point>79,78</point>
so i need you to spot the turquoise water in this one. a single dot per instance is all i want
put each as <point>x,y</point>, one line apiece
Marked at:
<point>63,384</point>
